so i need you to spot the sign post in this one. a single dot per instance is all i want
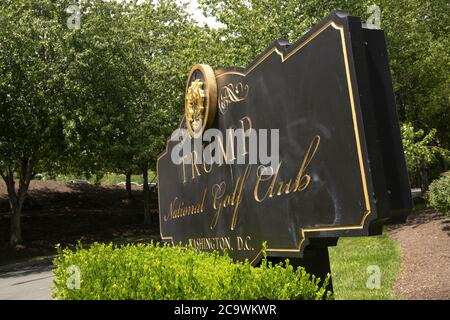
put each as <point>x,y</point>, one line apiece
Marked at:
<point>299,148</point>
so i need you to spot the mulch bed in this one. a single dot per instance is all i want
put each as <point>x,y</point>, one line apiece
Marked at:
<point>425,256</point>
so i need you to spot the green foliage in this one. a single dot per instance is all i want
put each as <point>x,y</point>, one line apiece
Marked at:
<point>113,179</point>
<point>125,72</point>
<point>33,47</point>
<point>106,179</point>
<point>349,262</point>
<point>157,272</point>
<point>417,38</point>
<point>101,98</point>
<point>438,195</point>
<point>421,150</point>
<point>32,66</point>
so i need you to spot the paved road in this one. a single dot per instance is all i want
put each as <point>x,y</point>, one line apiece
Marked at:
<point>26,282</point>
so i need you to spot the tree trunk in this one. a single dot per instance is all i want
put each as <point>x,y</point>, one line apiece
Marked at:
<point>15,237</point>
<point>424,179</point>
<point>128,186</point>
<point>17,198</point>
<point>146,191</point>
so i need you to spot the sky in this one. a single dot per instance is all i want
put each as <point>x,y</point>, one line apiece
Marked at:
<point>198,14</point>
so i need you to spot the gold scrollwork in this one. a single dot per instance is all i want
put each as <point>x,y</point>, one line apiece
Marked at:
<point>232,93</point>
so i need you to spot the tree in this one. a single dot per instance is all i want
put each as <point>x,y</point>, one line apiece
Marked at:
<point>107,74</point>
<point>32,67</point>
<point>421,151</point>
<point>417,36</point>
<point>127,72</point>
<point>169,31</point>
<point>95,99</point>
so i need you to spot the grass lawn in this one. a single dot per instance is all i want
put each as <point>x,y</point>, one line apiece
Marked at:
<point>349,262</point>
<point>112,178</point>
<point>107,179</point>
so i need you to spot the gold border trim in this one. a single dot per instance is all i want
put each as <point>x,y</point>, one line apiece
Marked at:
<point>283,57</point>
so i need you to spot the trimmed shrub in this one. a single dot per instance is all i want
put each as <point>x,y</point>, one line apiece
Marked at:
<point>151,271</point>
<point>439,194</point>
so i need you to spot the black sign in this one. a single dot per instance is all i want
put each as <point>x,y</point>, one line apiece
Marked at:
<point>341,169</point>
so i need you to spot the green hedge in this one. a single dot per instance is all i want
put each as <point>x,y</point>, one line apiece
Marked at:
<point>151,271</point>
<point>439,194</point>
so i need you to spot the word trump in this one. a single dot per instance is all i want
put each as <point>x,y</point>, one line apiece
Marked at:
<point>244,145</point>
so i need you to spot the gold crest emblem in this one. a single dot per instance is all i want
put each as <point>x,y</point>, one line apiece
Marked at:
<point>195,104</point>
<point>201,99</point>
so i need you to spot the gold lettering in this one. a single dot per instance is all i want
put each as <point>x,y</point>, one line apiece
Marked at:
<point>230,144</point>
<point>222,201</point>
<point>301,182</point>
<point>218,190</point>
<point>219,243</point>
<point>298,184</point>
<point>261,178</point>
<point>222,150</point>
<point>178,209</point>
<point>202,205</point>
<point>194,165</point>
<point>284,187</point>
<point>204,166</point>
<point>184,170</point>
<point>237,196</point>
<point>244,130</point>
